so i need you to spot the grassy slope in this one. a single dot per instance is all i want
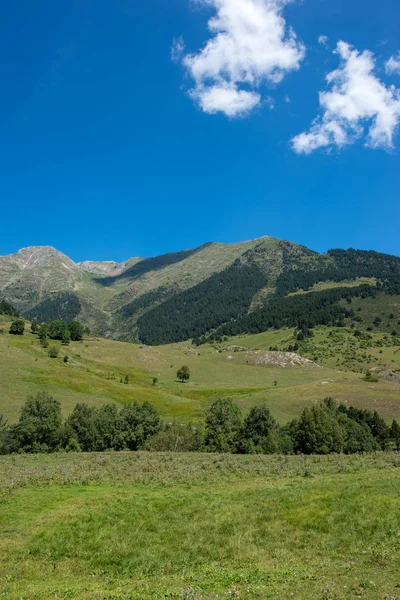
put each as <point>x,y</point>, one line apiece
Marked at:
<point>327,285</point>
<point>382,306</point>
<point>136,526</point>
<point>97,365</point>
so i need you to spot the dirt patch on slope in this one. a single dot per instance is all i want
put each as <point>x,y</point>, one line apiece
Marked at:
<point>261,358</point>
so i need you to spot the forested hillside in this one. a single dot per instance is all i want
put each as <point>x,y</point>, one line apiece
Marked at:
<point>224,296</point>
<point>279,309</point>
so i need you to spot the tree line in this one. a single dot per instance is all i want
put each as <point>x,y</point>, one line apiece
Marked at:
<point>64,306</point>
<point>53,330</point>
<point>341,265</point>
<point>300,311</point>
<point>324,427</point>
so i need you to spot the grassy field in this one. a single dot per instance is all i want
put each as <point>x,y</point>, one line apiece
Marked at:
<point>327,285</point>
<point>96,367</point>
<point>135,525</point>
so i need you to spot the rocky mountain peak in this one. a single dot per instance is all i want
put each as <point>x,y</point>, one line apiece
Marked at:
<point>40,256</point>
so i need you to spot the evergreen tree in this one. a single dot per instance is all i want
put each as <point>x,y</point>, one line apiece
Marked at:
<point>395,434</point>
<point>379,429</point>
<point>358,436</point>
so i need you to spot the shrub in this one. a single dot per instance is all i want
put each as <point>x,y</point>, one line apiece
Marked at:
<point>369,377</point>
<point>76,331</point>
<point>57,330</point>
<point>43,331</point>
<point>176,437</point>
<point>17,327</point>
<point>66,338</point>
<point>53,352</point>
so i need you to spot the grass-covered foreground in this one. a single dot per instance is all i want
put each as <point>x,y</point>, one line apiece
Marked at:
<point>141,525</point>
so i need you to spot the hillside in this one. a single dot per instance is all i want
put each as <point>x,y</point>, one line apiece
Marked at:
<point>215,289</point>
<point>251,369</point>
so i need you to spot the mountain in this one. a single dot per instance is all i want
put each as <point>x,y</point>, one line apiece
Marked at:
<point>215,289</point>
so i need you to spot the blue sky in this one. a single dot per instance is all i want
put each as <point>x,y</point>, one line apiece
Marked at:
<point>110,149</point>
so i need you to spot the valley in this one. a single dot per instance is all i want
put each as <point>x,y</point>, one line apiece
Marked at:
<point>243,368</point>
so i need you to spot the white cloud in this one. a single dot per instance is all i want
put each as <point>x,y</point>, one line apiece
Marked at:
<point>393,65</point>
<point>323,40</point>
<point>177,50</point>
<point>250,45</point>
<point>225,98</point>
<point>357,104</point>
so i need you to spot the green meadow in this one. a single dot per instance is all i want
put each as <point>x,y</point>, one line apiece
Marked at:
<point>96,367</point>
<point>127,526</point>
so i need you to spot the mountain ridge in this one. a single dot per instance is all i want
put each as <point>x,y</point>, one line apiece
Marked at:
<point>221,283</point>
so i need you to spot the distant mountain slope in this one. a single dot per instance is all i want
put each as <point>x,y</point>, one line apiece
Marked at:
<point>217,289</point>
<point>32,273</point>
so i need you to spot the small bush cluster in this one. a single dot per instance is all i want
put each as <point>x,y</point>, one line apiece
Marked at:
<point>17,327</point>
<point>54,330</point>
<point>59,330</point>
<point>323,428</point>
